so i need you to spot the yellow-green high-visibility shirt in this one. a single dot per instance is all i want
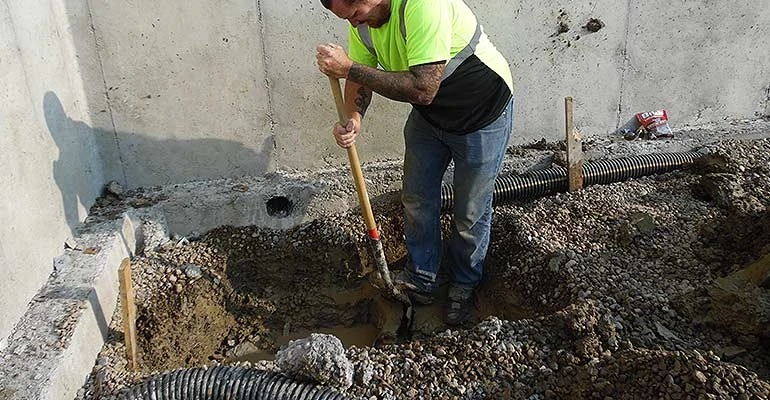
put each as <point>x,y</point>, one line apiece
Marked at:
<point>477,83</point>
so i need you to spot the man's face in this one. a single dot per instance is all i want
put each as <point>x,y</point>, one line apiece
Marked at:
<point>372,12</point>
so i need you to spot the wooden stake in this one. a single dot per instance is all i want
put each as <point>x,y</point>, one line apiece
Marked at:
<point>129,313</point>
<point>574,149</point>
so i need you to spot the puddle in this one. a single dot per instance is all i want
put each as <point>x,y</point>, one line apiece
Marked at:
<point>359,336</point>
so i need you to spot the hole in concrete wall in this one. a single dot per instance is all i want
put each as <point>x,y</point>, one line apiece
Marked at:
<point>279,206</point>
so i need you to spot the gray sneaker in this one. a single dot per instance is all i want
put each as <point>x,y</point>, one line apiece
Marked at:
<point>401,281</point>
<point>459,305</point>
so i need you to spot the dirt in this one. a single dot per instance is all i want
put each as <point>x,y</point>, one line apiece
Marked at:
<point>594,25</point>
<point>256,290</point>
<point>606,292</point>
<point>248,290</point>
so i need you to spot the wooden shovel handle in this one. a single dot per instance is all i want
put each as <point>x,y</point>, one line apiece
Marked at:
<point>355,165</point>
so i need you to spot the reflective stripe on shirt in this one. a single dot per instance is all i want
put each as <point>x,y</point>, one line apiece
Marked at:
<point>454,62</point>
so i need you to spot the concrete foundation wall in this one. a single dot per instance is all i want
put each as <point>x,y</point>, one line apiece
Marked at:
<point>186,89</point>
<point>51,168</point>
<point>210,90</point>
<point>156,93</point>
<point>223,89</point>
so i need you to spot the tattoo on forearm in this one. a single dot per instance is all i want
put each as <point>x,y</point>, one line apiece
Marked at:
<point>363,98</point>
<point>429,76</point>
<point>418,85</point>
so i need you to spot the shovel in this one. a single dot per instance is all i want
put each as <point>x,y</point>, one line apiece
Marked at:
<point>366,209</point>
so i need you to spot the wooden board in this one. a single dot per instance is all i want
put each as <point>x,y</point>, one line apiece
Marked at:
<point>574,149</point>
<point>129,313</point>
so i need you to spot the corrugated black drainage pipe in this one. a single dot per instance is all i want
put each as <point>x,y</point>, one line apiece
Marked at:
<point>552,180</point>
<point>226,382</point>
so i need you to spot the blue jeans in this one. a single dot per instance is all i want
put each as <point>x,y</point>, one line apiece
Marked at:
<point>478,157</point>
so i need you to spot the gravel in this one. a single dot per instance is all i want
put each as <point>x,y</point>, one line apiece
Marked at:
<point>617,282</point>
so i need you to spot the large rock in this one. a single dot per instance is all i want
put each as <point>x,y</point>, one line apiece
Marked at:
<point>318,357</point>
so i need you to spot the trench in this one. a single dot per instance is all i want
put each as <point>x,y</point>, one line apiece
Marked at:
<point>256,290</point>
<point>240,293</point>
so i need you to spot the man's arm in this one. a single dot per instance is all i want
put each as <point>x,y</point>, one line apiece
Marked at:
<point>357,99</point>
<point>418,85</point>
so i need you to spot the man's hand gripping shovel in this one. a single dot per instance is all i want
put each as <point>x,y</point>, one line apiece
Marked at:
<point>378,255</point>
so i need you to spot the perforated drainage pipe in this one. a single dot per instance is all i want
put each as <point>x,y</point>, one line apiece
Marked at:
<point>551,180</point>
<point>226,382</point>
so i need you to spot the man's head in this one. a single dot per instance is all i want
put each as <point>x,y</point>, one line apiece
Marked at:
<point>371,12</point>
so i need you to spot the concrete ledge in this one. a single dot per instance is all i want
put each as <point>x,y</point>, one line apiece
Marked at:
<point>53,347</point>
<point>280,200</point>
<point>202,206</point>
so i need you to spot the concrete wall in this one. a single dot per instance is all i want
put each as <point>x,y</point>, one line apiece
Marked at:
<point>51,169</point>
<point>186,89</point>
<point>156,93</point>
<point>224,88</point>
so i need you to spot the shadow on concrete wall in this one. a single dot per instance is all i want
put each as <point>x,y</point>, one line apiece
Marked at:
<point>89,158</point>
<point>78,169</point>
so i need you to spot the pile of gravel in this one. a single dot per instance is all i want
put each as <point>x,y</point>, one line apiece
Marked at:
<point>633,262</point>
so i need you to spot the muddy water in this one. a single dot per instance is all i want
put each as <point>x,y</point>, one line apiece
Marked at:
<point>359,336</point>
